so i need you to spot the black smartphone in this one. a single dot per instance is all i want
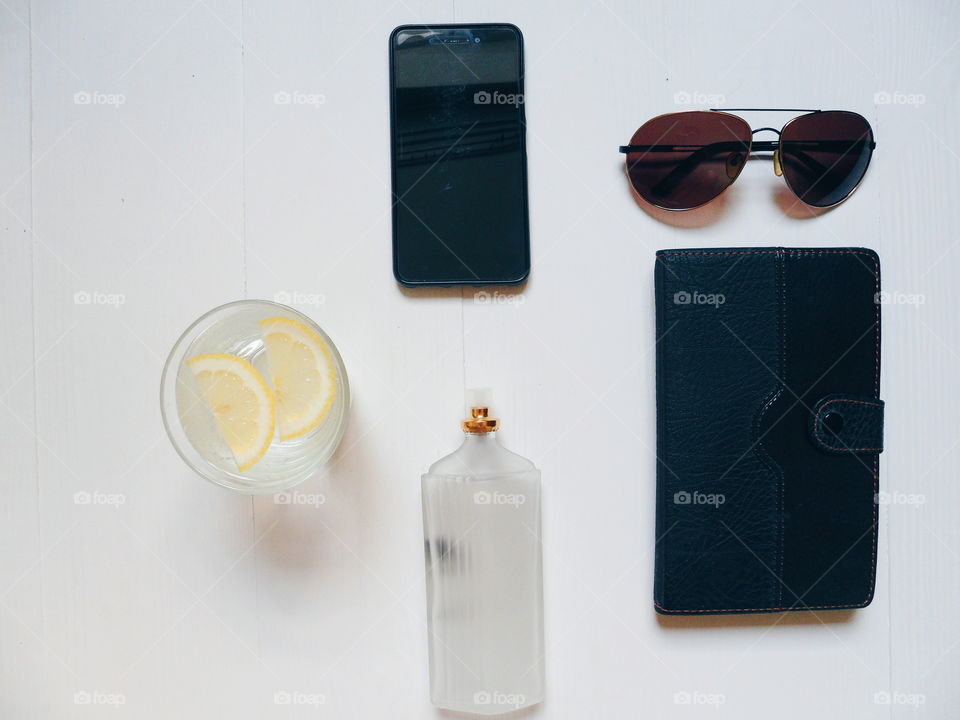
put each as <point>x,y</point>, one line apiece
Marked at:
<point>459,155</point>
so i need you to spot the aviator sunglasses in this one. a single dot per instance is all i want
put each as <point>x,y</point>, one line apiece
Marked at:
<point>682,160</point>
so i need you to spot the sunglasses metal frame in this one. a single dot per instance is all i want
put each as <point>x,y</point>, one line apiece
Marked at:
<point>752,146</point>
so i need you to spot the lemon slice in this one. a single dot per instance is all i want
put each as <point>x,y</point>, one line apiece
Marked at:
<point>303,375</point>
<point>241,401</point>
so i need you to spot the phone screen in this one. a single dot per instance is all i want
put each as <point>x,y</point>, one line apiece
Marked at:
<point>459,156</point>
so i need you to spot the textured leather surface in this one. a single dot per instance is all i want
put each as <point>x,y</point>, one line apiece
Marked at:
<point>847,424</point>
<point>753,515</point>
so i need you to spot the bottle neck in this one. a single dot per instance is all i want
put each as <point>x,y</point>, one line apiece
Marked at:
<point>475,439</point>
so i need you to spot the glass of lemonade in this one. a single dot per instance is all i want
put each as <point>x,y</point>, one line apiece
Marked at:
<point>254,396</point>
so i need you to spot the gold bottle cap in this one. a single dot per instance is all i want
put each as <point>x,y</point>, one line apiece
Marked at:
<point>479,422</point>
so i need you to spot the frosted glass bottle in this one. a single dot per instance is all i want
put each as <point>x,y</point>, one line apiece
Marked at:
<point>481,520</point>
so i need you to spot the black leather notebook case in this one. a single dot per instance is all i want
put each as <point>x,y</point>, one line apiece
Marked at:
<point>769,429</point>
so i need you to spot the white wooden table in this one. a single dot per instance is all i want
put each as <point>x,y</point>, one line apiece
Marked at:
<point>148,173</point>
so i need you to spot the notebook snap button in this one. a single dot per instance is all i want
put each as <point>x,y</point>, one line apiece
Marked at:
<point>833,421</point>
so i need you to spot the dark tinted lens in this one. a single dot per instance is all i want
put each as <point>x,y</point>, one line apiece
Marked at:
<point>685,159</point>
<point>824,155</point>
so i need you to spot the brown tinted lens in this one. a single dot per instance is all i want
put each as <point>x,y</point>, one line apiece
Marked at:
<point>685,159</point>
<point>824,155</point>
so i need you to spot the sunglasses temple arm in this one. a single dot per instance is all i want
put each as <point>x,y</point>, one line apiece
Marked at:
<point>690,163</point>
<point>814,166</point>
<point>811,166</point>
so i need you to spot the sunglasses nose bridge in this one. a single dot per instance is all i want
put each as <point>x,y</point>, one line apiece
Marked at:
<point>777,168</point>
